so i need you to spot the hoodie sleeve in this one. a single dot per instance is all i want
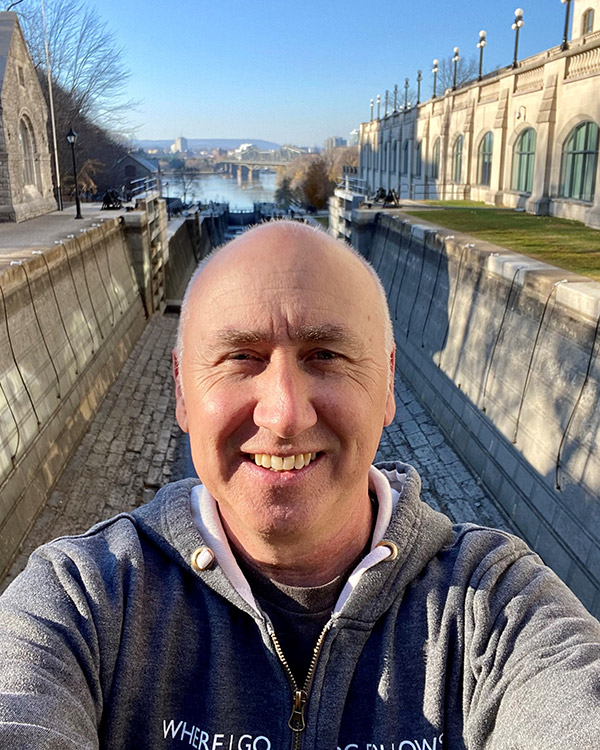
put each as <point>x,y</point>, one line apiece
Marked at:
<point>60,627</point>
<point>532,658</point>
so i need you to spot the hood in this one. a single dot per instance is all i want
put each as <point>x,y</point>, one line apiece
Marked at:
<point>183,517</point>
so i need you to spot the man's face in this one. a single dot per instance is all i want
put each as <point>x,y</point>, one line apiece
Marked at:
<point>284,365</point>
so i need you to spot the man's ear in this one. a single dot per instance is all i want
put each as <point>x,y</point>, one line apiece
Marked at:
<point>180,410</point>
<point>390,404</point>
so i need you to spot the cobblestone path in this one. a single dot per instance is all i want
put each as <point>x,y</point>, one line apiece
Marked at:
<point>134,446</point>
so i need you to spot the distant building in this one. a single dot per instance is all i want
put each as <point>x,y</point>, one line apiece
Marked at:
<point>133,167</point>
<point>334,142</point>
<point>525,137</point>
<point>354,137</point>
<point>25,175</point>
<point>180,145</point>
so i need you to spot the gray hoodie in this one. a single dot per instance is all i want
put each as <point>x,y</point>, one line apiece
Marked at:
<point>442,638</point>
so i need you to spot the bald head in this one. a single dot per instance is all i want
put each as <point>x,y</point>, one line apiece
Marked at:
<point>294,249</point>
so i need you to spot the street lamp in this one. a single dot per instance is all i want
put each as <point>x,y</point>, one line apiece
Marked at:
<point>434,70</point>
<point>481,44</point>
<point>419,79</point>
<point>72,140</point>
<point>395,97</point>
<point>518,23</point>
<point>455,60</point>
<point>378,105</point>
<point>168,208</point>
<point>372,103</point>
<point>565,43</point>
<point>387,100</point>
<point>406,85</point>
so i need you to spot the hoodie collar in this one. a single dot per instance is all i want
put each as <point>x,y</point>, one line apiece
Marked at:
<point>184,516</point>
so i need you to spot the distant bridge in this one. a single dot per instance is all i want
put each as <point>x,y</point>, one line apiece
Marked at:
<point>243,165</point>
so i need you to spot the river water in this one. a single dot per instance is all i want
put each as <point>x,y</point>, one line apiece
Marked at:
<point>225,189</point>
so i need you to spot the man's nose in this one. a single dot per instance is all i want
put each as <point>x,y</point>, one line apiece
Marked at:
<point>284,400</point>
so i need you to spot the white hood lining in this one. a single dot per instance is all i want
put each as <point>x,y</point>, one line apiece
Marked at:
<point>206,517</point>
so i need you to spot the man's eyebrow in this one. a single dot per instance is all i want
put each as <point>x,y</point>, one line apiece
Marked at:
<point>313,333</point>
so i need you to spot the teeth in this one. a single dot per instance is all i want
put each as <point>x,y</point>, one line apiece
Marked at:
<point>283,463</point>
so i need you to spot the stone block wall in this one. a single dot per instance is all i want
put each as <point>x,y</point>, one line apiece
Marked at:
<point>191,241</point>
<point>22,98</point>
<point>502,350</point>
<point>68,320</point>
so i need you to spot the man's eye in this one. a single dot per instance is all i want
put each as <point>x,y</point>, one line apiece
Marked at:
<point>325,355</point>
<point>241,356</point>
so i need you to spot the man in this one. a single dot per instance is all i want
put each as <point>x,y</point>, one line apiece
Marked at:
<point>298,597</point>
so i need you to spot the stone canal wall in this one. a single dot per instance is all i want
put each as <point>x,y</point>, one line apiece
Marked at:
<point>502,350</point>
<point>191,240</point>
<point>68,319</point>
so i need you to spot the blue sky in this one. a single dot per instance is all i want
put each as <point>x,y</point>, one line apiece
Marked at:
<point>298,72</point>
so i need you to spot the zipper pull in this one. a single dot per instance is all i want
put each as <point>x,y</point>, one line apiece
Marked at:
<point>296,722</point>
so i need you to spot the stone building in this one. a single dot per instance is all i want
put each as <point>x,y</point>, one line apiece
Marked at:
<point>25,175</point>
<point>524,137</point>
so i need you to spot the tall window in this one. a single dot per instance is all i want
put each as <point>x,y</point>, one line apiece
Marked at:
<point>457,159</point>
<point>405,157</point>
<point>418,161</point>
<point>484,159</point>
<point>523,161</point>
<point>26,143</point>
<point>435,160</point>
<point>587,22</point>
<point>579,162</point>
<point>395,157</point>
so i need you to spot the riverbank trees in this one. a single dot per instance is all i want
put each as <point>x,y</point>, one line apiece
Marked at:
<point>311,179</point>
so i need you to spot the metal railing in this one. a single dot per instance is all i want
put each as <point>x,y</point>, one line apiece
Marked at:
<point>143,185</point>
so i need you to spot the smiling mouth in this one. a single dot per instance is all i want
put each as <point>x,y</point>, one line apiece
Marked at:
<point>282,463</point>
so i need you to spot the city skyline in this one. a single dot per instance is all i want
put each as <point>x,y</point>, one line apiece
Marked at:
<point>231,71</point>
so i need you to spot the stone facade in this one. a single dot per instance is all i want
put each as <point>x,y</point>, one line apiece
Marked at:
<point>526,137</point>
<point>25,174</point>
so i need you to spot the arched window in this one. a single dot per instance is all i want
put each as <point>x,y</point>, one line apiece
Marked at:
<point>587,22</point>
<point>27,144</point>
<point>405,157</point>
<point>457,159</point>
<point>418,161</point>
<point>579,161</point>
<point>435,160</point>
<point>523,162</point>
<point>484,159</point>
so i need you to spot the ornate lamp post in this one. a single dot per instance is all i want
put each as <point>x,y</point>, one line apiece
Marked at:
<point>434,70</point>
<point>518,23</point>
<point>372,103</point>
<point>481,44</point>
<point>419,79</point>
<point>378,105</point>
<point>406,85</point>
<point>395,97</point>
<point>565,42</point>
<point>387,100</point>
<point>455,60</point>
<point>72,140</point>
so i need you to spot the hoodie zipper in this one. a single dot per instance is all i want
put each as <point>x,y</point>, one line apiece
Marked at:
<point>297,721</point>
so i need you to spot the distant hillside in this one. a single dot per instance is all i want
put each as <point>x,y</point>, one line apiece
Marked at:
<point>210,143</point>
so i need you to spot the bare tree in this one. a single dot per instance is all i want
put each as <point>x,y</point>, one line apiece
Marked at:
<point>466,70</point>
<point>84,58</point>
<point>186,177</point>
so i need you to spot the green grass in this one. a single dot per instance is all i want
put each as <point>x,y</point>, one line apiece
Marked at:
<point>567,244</point>
<point>457,204</point>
